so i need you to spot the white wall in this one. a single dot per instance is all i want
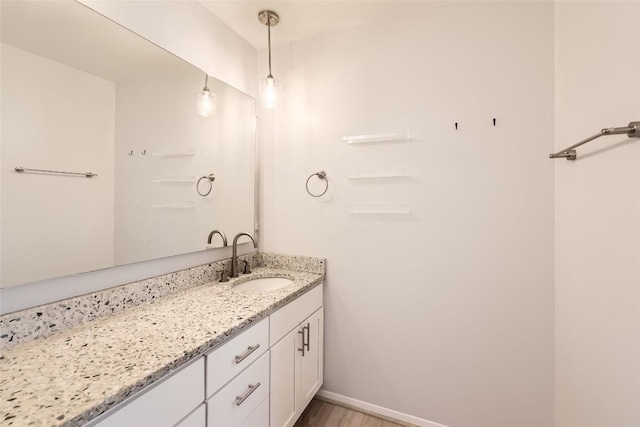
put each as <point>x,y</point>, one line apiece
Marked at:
<point>597,216</point>
<point>65,223</point>
<point>445,314</point>
<point>191,32</point>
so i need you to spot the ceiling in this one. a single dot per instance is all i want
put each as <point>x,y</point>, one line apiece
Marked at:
<point>300,19</point>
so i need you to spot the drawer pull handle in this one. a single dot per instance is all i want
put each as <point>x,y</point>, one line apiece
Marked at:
<point>252,388</point>
<point>246,354</point>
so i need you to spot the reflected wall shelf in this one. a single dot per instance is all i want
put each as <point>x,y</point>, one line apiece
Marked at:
<point>178,152</point>
<point>176,180</point>
<point>378,137</point>
<point>379,174</point>
<point>174,205</point>
<point>396,209</point>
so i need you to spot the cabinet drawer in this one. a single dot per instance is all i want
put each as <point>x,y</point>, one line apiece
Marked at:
<point>164,404</point>
<point>259,417</point>
<point>290,316</point>
<point>232,357</point>
<point>197,418</point>
<point>236,402</point>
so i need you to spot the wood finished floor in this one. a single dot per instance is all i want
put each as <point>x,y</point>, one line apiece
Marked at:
<point>324,414</point>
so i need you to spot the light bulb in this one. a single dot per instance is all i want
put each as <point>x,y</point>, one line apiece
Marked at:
<point>270,92</point>
<point>205,103</point>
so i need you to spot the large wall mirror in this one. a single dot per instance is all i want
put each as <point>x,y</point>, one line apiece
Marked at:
<point>80,93</point>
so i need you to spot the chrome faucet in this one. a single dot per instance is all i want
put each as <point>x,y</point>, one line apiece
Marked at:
<point>234,254</point>
<point>224,238</point>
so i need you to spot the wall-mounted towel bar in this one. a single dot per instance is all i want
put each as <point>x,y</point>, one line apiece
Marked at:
<point>86,174</point>
<point>569,153</point>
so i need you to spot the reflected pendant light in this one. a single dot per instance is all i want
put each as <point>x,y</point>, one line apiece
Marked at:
<point>205,100</point>
<point>270,88</point>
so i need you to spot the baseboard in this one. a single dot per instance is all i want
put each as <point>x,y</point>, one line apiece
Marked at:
<point>375,410</point>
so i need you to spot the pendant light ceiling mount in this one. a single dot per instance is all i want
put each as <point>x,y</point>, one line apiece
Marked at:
<point>268,17</point>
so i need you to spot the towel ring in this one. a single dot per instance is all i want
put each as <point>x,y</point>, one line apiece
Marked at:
<point>322,175</point>
<point>210,179</point>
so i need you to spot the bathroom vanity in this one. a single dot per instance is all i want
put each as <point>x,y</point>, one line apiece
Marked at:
<point>209,355</point>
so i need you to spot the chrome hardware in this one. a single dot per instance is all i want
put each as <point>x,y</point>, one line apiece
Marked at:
<point>569,153</point>
<point>246,354</point>
<point>268,17</point>
<point>224,238</point>
<point>20,169</point>
<point>308,336</point>
<point>302,349</point>
<point>211,177</point>
<point>252,388</point>
<point>234,252</point>
<point>322,175</point>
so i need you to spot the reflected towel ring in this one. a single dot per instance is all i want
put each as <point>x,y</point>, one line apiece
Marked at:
<point>322,175</point>
<point>210,179</point>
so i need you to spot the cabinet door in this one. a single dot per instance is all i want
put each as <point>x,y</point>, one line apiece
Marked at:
<point>284,362</point>
<point>311,361</point>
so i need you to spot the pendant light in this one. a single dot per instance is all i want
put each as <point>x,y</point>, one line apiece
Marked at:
<point>205,100</point>
<point>270,88</point>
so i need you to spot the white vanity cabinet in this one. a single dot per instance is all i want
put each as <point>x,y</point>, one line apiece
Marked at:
<point>265,376</point>
<point>296,357</point>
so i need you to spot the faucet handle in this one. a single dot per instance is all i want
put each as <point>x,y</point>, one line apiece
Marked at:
<point>223,276</point>
<point>247,268</point>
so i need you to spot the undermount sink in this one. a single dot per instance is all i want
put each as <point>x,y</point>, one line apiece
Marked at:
<point>263,284</point>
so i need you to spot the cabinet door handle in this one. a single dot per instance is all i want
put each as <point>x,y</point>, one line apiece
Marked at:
<point>302,349</point>
<point>308,328</point>
<point>246,354</point>
<point>252,388</point>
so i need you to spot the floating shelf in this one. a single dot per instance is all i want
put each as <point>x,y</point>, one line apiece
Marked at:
<point>179,152</point>
<point>380,209</point>
<point>176,180</point>
<point>174,205</point>
<point>377,174</point>
<point>379,137</point>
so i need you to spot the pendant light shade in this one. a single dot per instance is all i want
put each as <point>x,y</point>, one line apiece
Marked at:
<point>205,101</point>
<point>270,88</point>
<point>270,92</point>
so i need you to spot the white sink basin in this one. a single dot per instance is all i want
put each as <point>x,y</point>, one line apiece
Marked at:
<point>263,284</point>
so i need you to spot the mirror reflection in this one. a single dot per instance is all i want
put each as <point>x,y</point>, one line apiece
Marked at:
<point>82,94</point>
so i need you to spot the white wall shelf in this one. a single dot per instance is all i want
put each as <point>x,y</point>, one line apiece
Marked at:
<point>398,209</point>
<point>379,174</point>
<point>378,137</point>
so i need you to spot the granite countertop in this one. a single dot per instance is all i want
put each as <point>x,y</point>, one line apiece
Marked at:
<point>69,378</point>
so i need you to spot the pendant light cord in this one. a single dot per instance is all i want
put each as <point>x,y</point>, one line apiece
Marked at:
<point>269,39</point>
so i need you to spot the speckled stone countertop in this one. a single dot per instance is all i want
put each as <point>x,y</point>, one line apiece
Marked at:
<point>68,378</point>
